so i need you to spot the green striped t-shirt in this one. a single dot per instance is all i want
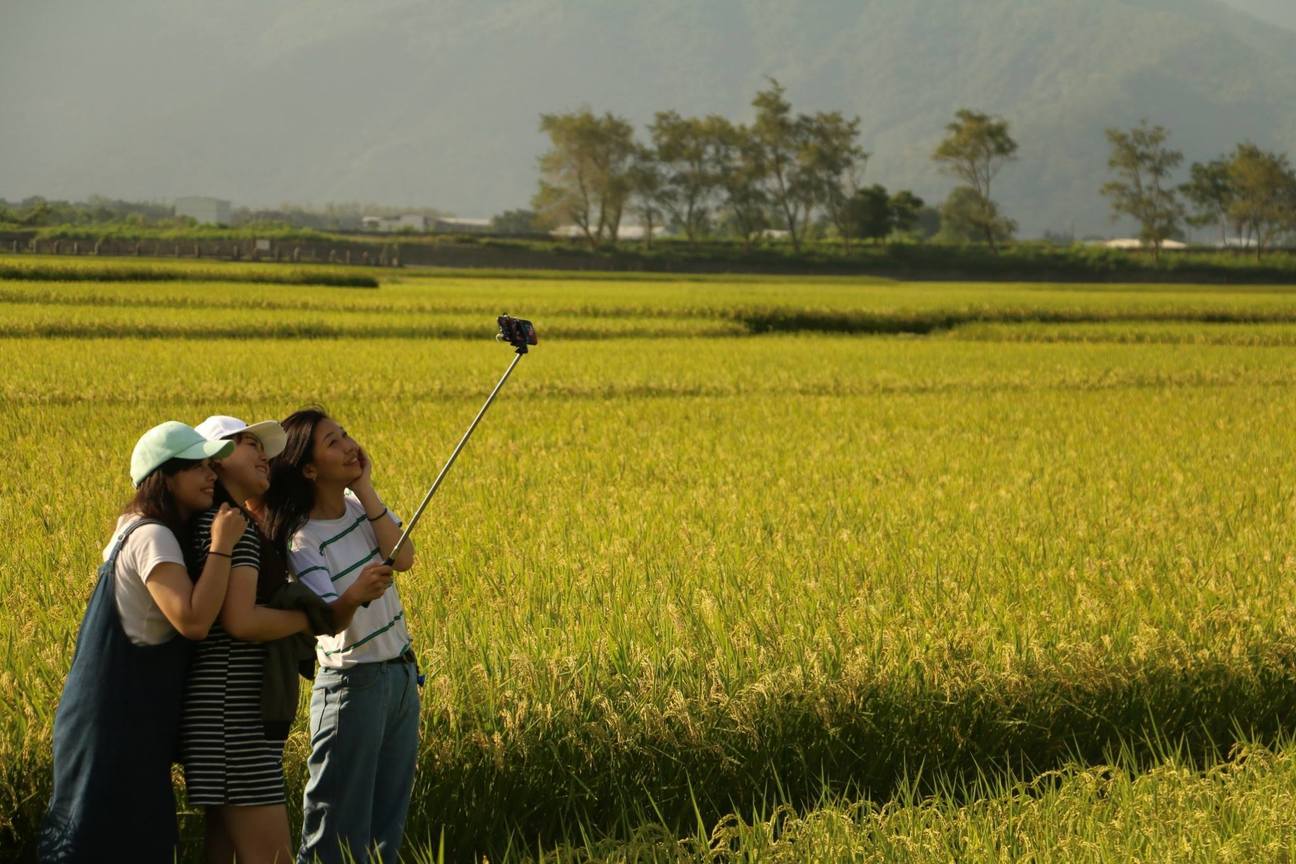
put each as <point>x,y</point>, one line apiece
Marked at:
<point>327,555</point>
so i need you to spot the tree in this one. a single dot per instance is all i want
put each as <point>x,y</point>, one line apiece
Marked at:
<point>830,165</point>
<point>780,138</point>
<point>647,181</point>
<point>515,222</point>
<point>868,214</point>
<point>36,211</point>
<point>1058,238</point>
<point>1210,192</point>
<point>968,217</point>
<point>741,172</point>
<point>584,175</point>
<point>808,161</point>
<point>928,223</point>
<point>1263,195</point>
<point>1143,165</point>
<point>686,148</point>
<point>975,149</point>
<point>906,209</point>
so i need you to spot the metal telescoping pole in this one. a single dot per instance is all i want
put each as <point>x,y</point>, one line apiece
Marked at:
<point>391,556</point>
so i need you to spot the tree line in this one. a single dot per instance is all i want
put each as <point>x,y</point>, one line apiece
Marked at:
<point>97,211</point>
<point>792,172</point>
<point>786,171</point>
<point>36,211</point>
<point>800,173</point>
<point>1250,192</point>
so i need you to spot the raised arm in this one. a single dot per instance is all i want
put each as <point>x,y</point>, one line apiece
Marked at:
<point>312,571</point>
<point>190,606</point>
<point>385,529</point>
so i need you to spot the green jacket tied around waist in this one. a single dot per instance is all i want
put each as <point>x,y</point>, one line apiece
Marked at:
<point>291,656</point>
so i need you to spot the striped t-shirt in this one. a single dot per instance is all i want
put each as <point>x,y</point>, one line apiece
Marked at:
<point>247,551</point>
<point>327,555</point>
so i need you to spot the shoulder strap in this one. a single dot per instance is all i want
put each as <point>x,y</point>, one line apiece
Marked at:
<point>121,541</point>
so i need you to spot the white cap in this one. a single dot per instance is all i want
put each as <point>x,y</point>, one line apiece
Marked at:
<point>269,432</point>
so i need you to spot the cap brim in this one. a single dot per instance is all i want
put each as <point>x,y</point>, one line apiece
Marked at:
<point>272,436</point>
<point>207,450</point>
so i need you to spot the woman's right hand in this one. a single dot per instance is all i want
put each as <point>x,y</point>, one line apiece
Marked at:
<point>227,527</point>
<point>371,584</point>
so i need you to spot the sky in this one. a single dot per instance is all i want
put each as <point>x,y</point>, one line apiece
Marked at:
<point>436,103</point>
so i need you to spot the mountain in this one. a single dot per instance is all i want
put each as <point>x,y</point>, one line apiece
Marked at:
<point>410,102</point>
<point>1279,12</point>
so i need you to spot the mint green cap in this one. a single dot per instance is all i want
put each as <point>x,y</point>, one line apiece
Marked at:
<point>172,440</point>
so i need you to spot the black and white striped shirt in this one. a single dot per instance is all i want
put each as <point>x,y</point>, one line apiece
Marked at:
<point>228,758</point>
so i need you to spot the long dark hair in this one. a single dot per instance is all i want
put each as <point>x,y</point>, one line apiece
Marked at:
<point>153,500</point>
<point>291,496</point>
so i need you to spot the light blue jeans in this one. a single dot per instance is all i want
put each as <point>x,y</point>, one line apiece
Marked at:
<point>364,742</point>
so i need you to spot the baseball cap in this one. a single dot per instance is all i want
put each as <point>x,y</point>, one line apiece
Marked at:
<point>172,440</point>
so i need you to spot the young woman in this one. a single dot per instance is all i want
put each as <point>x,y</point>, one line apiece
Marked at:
<point>364,705</point>
<point>115,732</point>
<point>233,757</point>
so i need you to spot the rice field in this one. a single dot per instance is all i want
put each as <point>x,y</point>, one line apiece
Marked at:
<point>746,568</point>
<point>1240,809</point>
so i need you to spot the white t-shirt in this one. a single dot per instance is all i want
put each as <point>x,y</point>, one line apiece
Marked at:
<point>147,547</point>
<point>327,555</point>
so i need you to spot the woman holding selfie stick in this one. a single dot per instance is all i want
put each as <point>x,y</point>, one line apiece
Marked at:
<point>364,710</point>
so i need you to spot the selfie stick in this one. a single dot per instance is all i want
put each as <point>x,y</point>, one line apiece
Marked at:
<point>519,334</point>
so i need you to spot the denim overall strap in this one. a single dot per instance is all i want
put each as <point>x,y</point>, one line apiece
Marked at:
<point>115,735</point>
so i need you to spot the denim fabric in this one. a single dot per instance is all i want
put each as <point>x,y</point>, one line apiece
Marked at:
<point>115,733</point>
<point>364,742</point>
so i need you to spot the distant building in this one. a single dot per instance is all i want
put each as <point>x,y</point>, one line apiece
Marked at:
<point>1135,243</point>
<point>206,211</point>
<point>454,225</point>
<point>624,232</point>
<point>1237,243</point>
<point>406,222</point>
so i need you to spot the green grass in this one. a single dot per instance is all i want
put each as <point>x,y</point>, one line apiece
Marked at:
<point>1015,261</point>
<point>1239,809</point>
<point>80,269</point>
<point>428,306</point>
<point>713,573</point>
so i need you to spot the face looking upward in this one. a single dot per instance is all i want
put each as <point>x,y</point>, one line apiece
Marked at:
<point>335,456</point>
<point>245,473</point>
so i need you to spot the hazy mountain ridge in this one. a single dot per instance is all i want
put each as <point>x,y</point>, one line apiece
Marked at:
<point>401,101</point>
<point>1279,12</point>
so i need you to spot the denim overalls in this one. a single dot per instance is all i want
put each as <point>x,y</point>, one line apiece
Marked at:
<point>115,736</point>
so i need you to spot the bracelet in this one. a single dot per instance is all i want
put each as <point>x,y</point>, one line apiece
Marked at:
<point>222,554</point>
<point>376,518</point>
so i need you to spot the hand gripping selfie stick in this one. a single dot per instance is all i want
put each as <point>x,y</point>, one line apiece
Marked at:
<point>518,333</point>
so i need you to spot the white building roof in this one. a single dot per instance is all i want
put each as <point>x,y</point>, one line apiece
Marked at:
<point>1135,243</point>
<point>624,232</point>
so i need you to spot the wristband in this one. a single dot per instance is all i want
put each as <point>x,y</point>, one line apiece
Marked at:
<point>222,554</point>
<point>376,518</point>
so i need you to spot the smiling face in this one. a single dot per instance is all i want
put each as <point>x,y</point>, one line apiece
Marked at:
<point>245,473</point>
<point>335,457</point>
<point>192,487</point>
